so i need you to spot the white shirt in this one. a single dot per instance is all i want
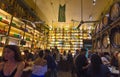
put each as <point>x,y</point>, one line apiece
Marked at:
<point>104,60</point>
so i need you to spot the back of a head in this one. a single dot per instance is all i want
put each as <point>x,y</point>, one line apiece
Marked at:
<point>47,51</point>
<point>26,51</point>
<point>96,63</point>
<point>96,60</point>
<point>41,53</point>
<point>77,51</point>
<point>83,51</point>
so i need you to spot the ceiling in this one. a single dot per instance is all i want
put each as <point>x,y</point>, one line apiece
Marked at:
<point>47,10</point>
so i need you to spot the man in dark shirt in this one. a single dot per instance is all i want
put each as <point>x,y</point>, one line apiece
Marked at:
<point>81,64</point>
<point>50,63</point>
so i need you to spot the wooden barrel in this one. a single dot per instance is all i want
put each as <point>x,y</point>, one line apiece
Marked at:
<point>105,40</point>
<point>115,37</point>
<point>115,11</point>
<point>106,21</point>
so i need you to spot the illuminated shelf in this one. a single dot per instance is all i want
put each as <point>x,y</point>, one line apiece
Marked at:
<point>17,27</point>
<point>16,30</point>
<point>65,39</point>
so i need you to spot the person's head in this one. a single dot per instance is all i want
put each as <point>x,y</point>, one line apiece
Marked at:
<point>77,51</point>
<point>115,54</point>
<point>101,54</point>
<point>83,51</point>
<point>69,51</point>
<point>106,53</point>
<point>96,63</point>
<point>41,54</point>
<point>47,51</point>
<point>12,52</point>
<point>96,60</point>
<point>64,53</point>
<point>26,52</point>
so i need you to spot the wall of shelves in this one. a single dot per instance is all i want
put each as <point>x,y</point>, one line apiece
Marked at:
<point>65,39</point>
<point>17,32</point>
<point>20,10</point>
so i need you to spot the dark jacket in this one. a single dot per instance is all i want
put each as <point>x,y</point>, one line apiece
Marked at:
<point>80,62</point>
<point>50,62</point>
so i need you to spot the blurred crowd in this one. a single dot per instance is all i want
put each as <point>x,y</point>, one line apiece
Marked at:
<point>48,62</point>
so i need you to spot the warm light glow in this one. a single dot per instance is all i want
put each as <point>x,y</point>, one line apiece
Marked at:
<point>85,27</point>
<point>81,28</point>
<point>107,15</point>
<point>94,2</point>
<point>37,32</point>
<point>81,45</point>
<point>3,40</point>
<point>81,40</point>
<point>89,37</point>
<point>81,37</point>
<point>108,40</point>
<point>16,20</point>
<point>3,13</point>
<point>22,53</point>
<point>1,50</point>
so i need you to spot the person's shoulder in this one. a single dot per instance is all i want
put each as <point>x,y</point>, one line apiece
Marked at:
<point>81,56</point>
<point>38,61</point>
<point>44,60</point>
<point>21,64</point>
<point>104,67</point>
<point>1,65</point>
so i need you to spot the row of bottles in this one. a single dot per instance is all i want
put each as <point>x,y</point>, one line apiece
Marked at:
<point>18,31</point>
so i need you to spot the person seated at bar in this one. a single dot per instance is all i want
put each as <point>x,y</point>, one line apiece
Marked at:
<point>12,64</point>
<point>97,68</point>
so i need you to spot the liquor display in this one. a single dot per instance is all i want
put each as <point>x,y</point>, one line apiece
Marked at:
<point>18,32</point>
<point>71,39</point>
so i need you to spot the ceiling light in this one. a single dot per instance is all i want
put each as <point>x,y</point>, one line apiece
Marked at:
<point>94,2</point>
<point>90,17</point>
<point>107,15</point>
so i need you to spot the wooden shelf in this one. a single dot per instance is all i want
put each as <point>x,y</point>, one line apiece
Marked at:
<point>4,14</point>
<point>16,29</point>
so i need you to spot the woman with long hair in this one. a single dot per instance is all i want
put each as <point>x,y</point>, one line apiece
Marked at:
<point>13,64</point>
